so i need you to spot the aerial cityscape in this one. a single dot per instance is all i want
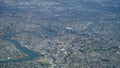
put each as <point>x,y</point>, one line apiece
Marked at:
<point>59,34</point>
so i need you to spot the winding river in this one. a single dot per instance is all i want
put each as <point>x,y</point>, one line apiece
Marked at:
<point>31,54</point>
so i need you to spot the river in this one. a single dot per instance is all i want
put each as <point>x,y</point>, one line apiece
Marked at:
<point>31,54</point>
